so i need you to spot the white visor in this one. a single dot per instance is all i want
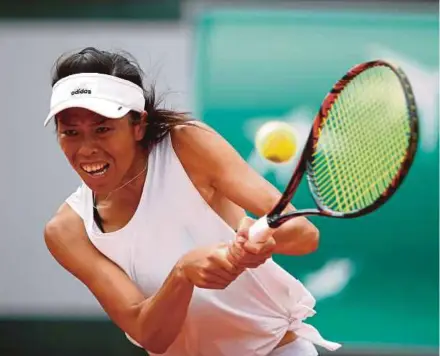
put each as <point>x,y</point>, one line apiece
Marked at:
<point>104,94</point>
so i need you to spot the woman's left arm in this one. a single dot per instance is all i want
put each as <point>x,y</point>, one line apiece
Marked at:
<point>231,176</point>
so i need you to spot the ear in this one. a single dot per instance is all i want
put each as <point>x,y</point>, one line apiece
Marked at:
<point>139,129</point>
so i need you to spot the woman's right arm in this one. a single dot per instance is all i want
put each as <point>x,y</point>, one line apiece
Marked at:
<point>148,321</point>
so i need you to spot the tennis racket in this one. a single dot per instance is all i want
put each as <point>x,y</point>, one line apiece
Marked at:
<point>361,147</point>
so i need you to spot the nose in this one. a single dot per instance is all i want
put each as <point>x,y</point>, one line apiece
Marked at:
<point>89,146</point>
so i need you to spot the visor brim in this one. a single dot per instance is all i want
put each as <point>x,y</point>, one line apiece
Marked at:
<point>102,107</point>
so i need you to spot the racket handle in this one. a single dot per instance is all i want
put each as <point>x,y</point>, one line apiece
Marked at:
<point>260,231</point>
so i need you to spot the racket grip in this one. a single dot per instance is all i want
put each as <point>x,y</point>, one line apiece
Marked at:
<point>260,231</point>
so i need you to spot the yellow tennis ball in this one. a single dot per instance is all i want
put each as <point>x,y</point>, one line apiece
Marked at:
<point>276,141</point>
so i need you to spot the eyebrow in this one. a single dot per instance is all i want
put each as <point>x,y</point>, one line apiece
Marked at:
<point>101,121</point>
<point>97,123</point>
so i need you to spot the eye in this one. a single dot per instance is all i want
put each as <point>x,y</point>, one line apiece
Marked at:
<point>102,129</point>
<point>69,133</point>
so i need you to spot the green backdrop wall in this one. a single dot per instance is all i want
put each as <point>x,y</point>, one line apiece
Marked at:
<point>375,278</point>
<point>90,9</point>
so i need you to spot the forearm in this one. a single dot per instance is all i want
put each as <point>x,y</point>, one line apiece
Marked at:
<point>161,317</point>
<point>296,237</point>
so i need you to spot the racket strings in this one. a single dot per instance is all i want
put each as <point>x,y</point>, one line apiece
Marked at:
<point>373,166</point>
<point>363,142</point>
<point>366,196</point>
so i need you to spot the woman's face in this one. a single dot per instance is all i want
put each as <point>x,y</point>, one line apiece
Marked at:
<point>101,150</point>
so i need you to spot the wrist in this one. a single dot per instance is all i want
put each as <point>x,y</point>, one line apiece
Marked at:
<point>180,272</point>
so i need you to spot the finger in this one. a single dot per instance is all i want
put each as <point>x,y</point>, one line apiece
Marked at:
<point>252,261</point>
<point>216,275</point>
<point>256,264</point>
<point>222,259</point>
<point>212,285</point>
<point>255,258</point>
<point>252,248</point>
<point>239,257</point>
<point>235,251</point>
<point>243,228</point>
<point>259,248</point>
<point>231,269</point>
<point>213,278</point>
<point>227,252</point>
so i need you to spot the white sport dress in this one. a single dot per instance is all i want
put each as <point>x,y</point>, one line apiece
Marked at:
<point>250,316</point>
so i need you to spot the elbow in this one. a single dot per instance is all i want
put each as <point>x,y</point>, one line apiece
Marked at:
<point>311,239</point>
<point>157,349</point>
<point>307,241</point>
<point>149,341</point>
<point>155,344</point>
<point>300,237</point>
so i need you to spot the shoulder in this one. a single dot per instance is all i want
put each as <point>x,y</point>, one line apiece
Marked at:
<point>63,230</point>
<point>200,146</point>
<point>194,133</point>
<point>68,243</point>
<point>65,219</point>
<point>199,143</point>
<point>77,201</point>
<point>196,146</point>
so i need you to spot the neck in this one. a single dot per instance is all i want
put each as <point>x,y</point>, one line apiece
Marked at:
<point>131,185</point>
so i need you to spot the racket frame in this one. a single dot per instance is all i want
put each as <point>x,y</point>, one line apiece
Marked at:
<point>275,218</point>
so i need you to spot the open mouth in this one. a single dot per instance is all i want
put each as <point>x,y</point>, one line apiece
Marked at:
<point>95,169</point>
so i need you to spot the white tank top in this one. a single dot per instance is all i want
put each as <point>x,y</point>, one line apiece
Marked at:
<point>247,318</point>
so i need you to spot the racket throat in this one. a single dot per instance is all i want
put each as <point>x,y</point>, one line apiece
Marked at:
<point>277,221</point>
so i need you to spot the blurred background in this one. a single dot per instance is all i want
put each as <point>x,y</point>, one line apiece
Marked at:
<point>235,65</point>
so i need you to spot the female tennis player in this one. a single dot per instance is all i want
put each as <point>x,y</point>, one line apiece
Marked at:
<point>151,231</point>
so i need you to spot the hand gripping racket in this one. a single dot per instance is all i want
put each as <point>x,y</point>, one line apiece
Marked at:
<point>361,147</point>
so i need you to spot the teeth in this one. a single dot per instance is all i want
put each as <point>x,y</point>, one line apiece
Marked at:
<point>100,172</point>
<point>95,168</point>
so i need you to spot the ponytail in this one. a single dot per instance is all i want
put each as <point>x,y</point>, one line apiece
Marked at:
<point>159,121</point>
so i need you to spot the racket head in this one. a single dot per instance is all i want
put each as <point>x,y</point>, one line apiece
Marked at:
<point>366,85</point>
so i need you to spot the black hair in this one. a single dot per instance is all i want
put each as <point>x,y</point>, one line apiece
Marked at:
<point>91,60</point>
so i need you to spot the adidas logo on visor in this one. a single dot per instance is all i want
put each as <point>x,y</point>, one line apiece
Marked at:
<point>81,91</point>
